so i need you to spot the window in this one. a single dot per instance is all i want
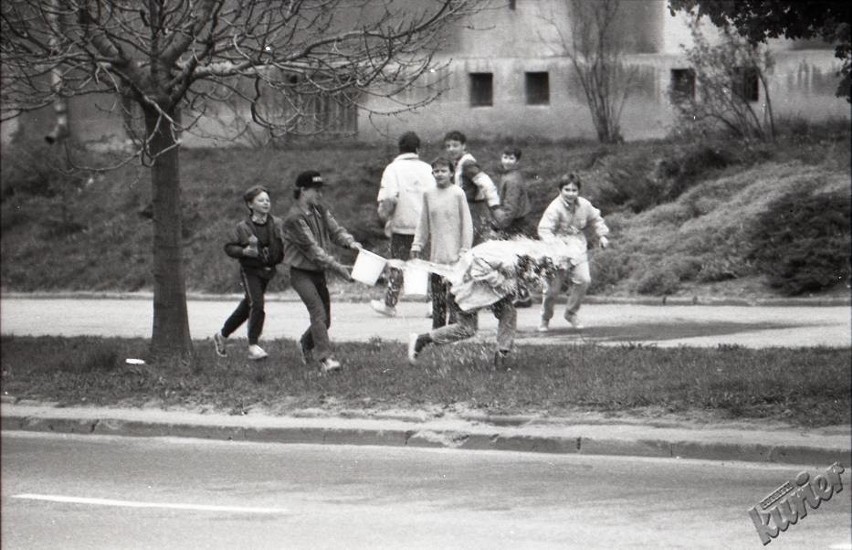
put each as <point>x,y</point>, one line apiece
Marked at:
<point>481,89</point>
<point>511,4</point>
<point>746,84</point>
<point>538,88</point>
<point>683,83</point>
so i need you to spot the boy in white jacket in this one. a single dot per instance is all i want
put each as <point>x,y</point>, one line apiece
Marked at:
<point>399,202</point>
<point>566,218</point>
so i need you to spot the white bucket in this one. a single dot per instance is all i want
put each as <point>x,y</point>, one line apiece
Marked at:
<point>415,281</point>
<point>368,267</point>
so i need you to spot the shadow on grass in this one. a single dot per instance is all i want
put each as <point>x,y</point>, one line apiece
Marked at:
<point>645,332</point>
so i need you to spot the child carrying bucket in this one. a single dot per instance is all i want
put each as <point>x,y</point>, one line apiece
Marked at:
<point>309,231</point>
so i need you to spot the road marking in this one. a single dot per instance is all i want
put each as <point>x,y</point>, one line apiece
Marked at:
<point>166,505</point>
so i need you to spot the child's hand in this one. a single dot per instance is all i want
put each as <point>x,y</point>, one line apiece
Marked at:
<point>251,252</point>
<point>604,242</point>
<point>356,246</point>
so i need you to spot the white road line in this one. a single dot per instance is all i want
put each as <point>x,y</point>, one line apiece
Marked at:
<point>166,505</point>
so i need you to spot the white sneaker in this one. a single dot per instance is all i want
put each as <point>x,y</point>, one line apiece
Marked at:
<point>544,326</point>
<point>412,348</point>
<point>574,321</point>
<point>380,307</point>
<point>256,353</point>
<point>330,364</point>
<point>219,341</point>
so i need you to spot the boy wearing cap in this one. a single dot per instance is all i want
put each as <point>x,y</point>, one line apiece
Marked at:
<point>257,242</point>
<point>400,199</point>
<point>310,230</point>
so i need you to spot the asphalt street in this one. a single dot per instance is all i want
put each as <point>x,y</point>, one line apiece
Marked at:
<point>103,492</point>
<point>664,326</point>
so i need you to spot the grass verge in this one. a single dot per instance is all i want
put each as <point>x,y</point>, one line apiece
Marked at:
<point>803,386</point>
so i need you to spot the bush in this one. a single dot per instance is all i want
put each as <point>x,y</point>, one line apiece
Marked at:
<point>658,282</point>
<point>32,167</point>
<point>802,242</point>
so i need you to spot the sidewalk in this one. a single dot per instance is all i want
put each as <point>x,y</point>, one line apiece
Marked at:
<point>579,435</point>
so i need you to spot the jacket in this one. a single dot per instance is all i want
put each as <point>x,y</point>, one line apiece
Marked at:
<point>514,200</point>
<point>308,237</point>
<point>270,256</point>
<point>558,222</point>
<point>403,183</point>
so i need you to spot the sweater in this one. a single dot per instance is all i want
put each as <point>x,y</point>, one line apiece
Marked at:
<point>270,245</point>
<point>444,222</point>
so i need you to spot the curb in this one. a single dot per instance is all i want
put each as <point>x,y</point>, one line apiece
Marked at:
<point>617,440</point>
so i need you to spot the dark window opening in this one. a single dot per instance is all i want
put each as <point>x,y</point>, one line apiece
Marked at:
<point>683,83</point>
<point>746,83</point>
<point>481,89</point>
<point>538,88</point>
<point>511,4</point>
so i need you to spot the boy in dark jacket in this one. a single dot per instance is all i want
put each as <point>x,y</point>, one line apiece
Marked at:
<point>510,219</point>
<point>257,242</point>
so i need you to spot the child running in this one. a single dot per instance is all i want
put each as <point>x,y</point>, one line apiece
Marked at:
<point>309,232</point>
<point>566,219</point>
<point>257,243</point>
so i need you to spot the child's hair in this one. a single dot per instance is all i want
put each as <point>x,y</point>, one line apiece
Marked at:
<point>409,142</point>
<point>442,161</point>
<point>572,177</point>
<point>252,192</point>
<point>455,135</point>
<point>514,151</point>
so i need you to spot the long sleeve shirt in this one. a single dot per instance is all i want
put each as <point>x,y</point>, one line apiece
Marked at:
<point>514,199</point>
<point>445,222</point>
<point>308,237</point>
<point>561,222</point>
<point>403,183</point>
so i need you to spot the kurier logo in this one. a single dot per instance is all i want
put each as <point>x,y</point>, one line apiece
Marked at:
<point>789,503</point>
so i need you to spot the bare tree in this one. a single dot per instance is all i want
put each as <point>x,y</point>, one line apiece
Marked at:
<point>176,60</point>
<point>596,47</point>
<point>731,89</point>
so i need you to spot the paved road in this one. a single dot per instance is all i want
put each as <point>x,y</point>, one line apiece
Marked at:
<point>751,326</point>
<point>92,492</point>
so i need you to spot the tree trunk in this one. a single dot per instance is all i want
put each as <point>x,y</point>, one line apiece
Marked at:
<point>170,335</point>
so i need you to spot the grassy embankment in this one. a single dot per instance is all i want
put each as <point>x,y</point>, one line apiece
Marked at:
<point>683,215</point>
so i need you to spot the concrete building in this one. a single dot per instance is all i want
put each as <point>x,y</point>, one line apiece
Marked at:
<point>505,73</point>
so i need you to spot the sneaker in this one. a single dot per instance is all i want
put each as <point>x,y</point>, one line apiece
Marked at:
<point>412,348</point>
<point>544,326</point>
<point>219,341</point>
<point>381,307</point>
<point>330,364</point>
<point>256,353</point>
<point>574,321</point>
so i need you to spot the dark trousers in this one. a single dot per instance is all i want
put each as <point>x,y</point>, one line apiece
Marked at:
<point>251,307</point>
<point>312,288</point>
<point>400,249</point>
<point>444,310</point>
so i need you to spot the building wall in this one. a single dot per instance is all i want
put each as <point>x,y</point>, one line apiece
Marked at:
<point>508,43</point>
